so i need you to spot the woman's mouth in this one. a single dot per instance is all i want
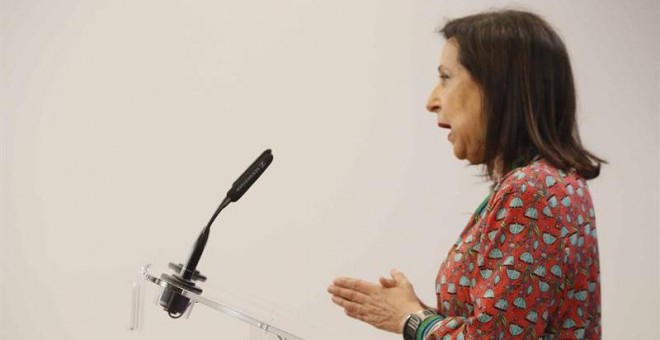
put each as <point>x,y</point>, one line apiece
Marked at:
<point>447,126</point>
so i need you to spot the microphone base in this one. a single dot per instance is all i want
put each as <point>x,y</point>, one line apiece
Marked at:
<point>171,298</point>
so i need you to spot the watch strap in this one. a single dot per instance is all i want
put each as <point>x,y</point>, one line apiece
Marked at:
<point>414,322</point>
<point>426,325</point>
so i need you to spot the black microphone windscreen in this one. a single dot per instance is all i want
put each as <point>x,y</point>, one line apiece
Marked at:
<point>245,181</point>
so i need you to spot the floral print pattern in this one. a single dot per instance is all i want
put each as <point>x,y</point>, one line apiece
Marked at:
<point>526,266</point>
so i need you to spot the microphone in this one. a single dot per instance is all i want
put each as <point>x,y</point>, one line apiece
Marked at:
<point>185,275</point>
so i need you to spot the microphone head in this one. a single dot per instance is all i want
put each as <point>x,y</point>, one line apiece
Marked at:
<point>243,183</point>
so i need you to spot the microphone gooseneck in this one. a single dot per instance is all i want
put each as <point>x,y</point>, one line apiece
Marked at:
<point>189,269</point>
<point>171,299</point>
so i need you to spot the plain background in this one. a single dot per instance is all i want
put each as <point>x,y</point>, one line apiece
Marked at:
<point>125,122</point>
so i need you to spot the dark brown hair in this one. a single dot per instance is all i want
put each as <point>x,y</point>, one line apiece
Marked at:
<point>524,72</point>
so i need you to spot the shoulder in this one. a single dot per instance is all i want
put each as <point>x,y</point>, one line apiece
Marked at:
<point>541,190</point>
<point>540,178</point>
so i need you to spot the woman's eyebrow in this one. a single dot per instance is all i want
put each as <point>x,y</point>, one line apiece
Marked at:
<point>442,68</point>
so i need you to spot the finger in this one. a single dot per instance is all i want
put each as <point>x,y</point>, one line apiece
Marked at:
<point>355,284</point>
<point>348,294</point>
<point>387,283</point>
<point>355,315</point>
<point>352,309</point>
<point>398,276</point>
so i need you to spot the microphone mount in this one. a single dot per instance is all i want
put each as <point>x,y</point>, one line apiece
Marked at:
<point>185,276</point>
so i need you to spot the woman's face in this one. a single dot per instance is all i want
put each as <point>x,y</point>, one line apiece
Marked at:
<point>457,101</point>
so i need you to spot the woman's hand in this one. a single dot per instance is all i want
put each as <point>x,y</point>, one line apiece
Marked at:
<point>383,306</point>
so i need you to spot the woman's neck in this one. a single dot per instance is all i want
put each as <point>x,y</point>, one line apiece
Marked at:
<point>498,169</point>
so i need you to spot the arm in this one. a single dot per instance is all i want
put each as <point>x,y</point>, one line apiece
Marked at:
<point>518,270</point>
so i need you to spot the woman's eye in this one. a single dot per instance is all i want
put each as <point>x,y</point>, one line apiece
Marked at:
<point>444,77</point>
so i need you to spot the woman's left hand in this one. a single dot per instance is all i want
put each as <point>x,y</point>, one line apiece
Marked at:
<point>383,306</point>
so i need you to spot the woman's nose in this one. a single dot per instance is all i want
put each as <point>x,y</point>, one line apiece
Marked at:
<point>433,103</point>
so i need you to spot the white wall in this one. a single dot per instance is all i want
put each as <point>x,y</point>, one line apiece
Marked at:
<point>124,123</point>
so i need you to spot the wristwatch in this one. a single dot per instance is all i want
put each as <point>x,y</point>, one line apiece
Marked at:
<point>413,321</point>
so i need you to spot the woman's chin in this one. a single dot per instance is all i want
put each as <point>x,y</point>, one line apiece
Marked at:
<point>461,155</point>
<point>473,160</point>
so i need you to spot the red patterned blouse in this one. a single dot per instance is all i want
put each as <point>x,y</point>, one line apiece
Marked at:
<point>526,266</point>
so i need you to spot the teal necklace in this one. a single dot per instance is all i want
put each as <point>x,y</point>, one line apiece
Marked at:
<point>481,206</point>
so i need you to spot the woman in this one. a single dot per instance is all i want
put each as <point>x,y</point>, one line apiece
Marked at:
<point>526,265</point>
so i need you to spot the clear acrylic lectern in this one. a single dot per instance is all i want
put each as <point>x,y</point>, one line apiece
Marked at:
<point>259,330</point>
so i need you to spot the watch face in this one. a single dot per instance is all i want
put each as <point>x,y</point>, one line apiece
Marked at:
<point>426,313</point>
